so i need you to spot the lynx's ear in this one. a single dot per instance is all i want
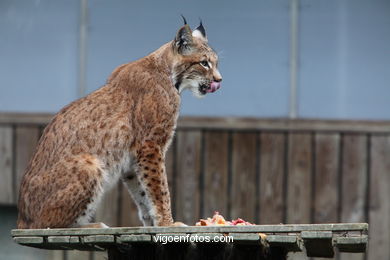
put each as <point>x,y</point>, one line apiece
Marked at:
<point>200,32</point>
<point>183,42</point>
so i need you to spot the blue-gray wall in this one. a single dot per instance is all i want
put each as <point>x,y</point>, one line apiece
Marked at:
<point>344,67</point>
<point>343,53</point>
<point>38,54</point>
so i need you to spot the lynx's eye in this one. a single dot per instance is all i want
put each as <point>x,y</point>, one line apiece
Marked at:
<point>205,64</point>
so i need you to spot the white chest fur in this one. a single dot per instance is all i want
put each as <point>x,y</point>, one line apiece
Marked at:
<point>110,177</point>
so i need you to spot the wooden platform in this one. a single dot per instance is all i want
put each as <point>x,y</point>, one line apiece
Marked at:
<point>255,242</point>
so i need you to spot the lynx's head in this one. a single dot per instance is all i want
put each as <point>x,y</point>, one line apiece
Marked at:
<point>195,64</point>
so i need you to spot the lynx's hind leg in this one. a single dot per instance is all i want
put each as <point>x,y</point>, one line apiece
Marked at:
<point>76,191</point>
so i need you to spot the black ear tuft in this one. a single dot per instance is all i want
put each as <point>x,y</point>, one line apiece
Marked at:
<point>200,32</point>
<point>183,42</point>
<point>201,29</point>
<point>184,19</point>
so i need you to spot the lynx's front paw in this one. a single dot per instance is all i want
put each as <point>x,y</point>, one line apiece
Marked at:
<point>95,225</point>
<point>178,224</point>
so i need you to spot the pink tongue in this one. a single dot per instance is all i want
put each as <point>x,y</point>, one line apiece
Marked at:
<point>214,86</point>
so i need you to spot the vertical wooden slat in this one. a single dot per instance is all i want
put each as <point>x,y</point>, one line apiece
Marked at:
<point>78,255</point>
<point>56,255</point>
<point>354,179</point>
<point>26,142</point>
<point>299,178</point>
<point>354,182</point>
<point>187,199</point>
<point>379,210</point>
<point>215,173</point>
<point>243,194</point>
<point>326,178</point>
<point>129,211</point>
<point>6,157</point>
<point>102,255</point>
<point>272,160</point>
<point>108,208</point>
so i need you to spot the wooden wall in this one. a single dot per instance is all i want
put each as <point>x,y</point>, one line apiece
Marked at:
<point>265,171</point>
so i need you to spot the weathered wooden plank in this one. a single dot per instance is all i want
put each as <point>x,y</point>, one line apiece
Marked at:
<point>317,240</point>
<point>352,244</point>
<point>289,242</point>
<point>6,152</point>
<point>74,240</point>
<point>326,178</point>
<point>316,234</point>
<point>318,243</point>
<point>354,182</point>
<point>252,237</point>
<point>338,227</point>
<point>188,175</point>
<point>99,239</point>
<point>272,161</point>
<point>379,208</point>
<point>58,239</point>
<point>26,142</point>
<point>282,238</point>
<point>134,238</point>
<point>30,240</point>
<point>215,173</point>
<point>243,189</point>
<point>299,178</point>
<point>107,211</point>
<point>60,243</point>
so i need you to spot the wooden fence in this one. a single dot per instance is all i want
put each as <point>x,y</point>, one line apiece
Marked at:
<point>266,171</point>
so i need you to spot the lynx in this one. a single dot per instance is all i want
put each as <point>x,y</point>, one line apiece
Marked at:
<point>120,131</point>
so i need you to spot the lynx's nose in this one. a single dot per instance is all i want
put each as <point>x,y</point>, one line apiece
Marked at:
<point>217,76</point>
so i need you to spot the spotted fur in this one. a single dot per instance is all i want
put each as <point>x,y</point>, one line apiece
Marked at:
<point>121,131</point>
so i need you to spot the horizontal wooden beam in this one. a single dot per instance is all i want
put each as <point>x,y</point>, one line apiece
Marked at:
<point>134,238</point>
<point>318,243</point>
<point>30,240</point>
<point>236,123</point>
<point>284,124</point>
<point>290,242</point>
<point>316,240</point>
<point>352,244</point>
<point>339,227</point>
<point>25,118</point>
